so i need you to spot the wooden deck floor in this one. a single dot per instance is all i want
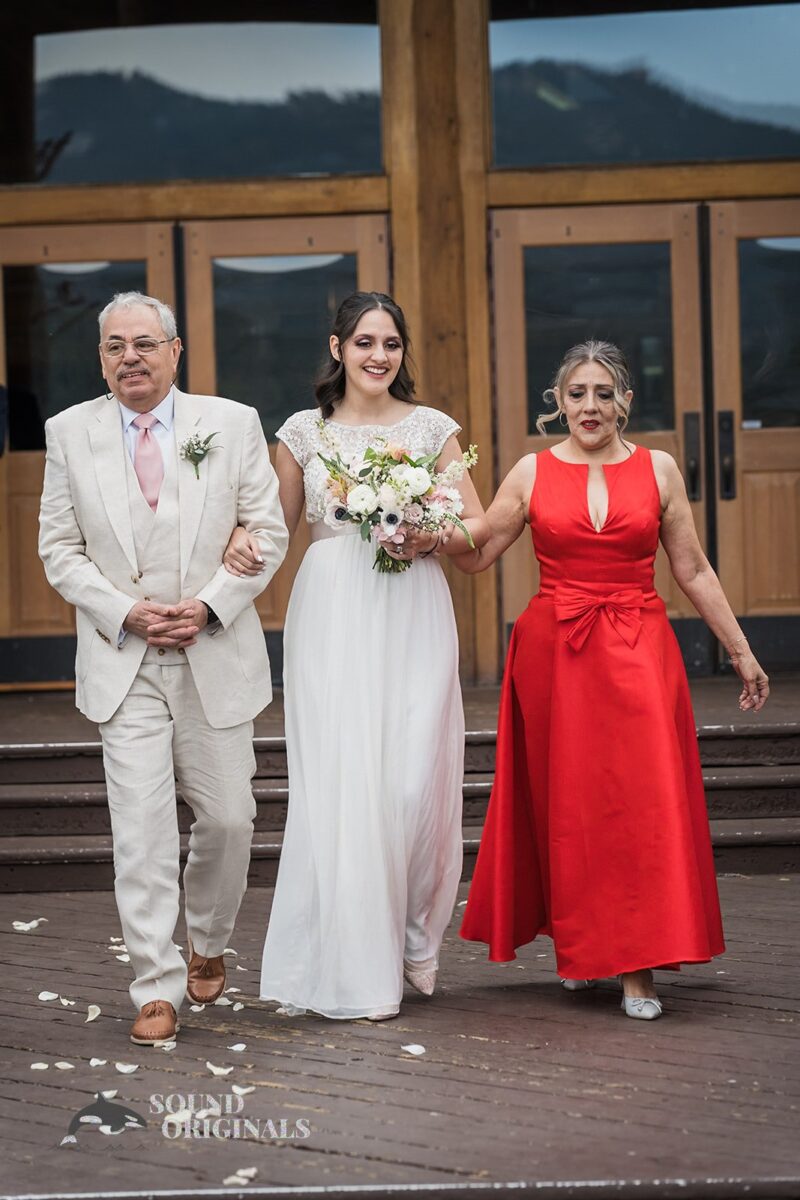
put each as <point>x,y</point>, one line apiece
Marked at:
<point>519,1080</point>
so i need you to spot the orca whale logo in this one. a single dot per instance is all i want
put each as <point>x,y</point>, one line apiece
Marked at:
<point>103,1117</point>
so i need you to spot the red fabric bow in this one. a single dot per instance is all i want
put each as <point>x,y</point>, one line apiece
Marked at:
<point>583,609</point>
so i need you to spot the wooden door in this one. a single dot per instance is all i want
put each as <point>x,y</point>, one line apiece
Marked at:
<point>55,280</point>
<point>755,307</point>
<point>260,299</point>
<point>626,274</point>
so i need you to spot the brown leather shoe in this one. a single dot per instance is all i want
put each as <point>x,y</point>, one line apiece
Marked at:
<point>156,1022</point>
<point>206,979</point>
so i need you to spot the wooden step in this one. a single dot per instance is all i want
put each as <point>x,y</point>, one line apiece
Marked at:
<point>742,743</point>
<point>72,809</point>
<point>85,863</point>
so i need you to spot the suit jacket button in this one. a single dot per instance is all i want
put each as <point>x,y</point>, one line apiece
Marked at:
<point>162,650</point>
<point>140,574</point>
<point>181,650</point>
<point>135,578</point>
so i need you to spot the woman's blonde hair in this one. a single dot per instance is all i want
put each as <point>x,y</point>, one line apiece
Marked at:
<point>610,357</point>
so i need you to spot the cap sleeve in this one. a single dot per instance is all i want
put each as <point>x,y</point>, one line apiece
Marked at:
<point>298,434</point>
<point>439,428</point>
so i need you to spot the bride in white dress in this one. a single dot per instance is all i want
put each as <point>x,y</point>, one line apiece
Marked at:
<point>371,855</point>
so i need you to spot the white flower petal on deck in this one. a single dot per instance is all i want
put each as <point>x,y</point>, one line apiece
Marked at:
<point>239,967</point>
<point>123,957</point>
<point>230,950</point>
<point>233,1181</point>
<point>223,1000</point>
<point>67,1003</point>
<point>115,939</point>
<point>27,926</point>
<point>247,1172</point>
<point>238,1006</point>
<point>165,1045</point>
<point>92,1013</point>
<point>218,1070</point>
<point>109,1095</point>
<point>48,995</point>
<point>238,1046</point>
<point>98,1062</point>
<point>461,904</point>
<point>180,1117</point>
<point>196,1007</point>
<point>233,989</point>
<point>238,1090</point>
<point>64,1066</point>
<point>39,1066</point>
<point>126,1068</point>
<point>413,1049</point>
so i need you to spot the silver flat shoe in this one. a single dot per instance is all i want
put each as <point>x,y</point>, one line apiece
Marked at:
<point>577,985</point>
<point>422,979</point>
<point>643,1008</point>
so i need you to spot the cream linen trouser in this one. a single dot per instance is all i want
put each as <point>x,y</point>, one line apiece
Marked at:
<point>159,732</point>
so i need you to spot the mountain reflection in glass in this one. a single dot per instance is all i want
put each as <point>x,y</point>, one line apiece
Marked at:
<point>203,101</point>
<point>272,318</point>
<point>769,299</point>
<point>52,336</point>
<point>685,85</point>
<point>616,293</point>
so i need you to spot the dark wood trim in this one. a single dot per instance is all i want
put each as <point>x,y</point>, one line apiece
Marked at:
<point>187,201</point>
<point>637,185</point>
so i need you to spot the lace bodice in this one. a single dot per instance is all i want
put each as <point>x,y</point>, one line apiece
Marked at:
<point>422,431</point>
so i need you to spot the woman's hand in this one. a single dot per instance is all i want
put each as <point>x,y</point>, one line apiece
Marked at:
<point>417,542</point>
<point>242,554</point>
<point>756,684</point>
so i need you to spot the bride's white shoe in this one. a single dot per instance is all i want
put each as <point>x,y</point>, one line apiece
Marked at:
<point>383,1016</point>
<point>421,976</point>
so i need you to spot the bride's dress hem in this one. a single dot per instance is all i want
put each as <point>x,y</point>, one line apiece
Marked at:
<point>300,1010</point>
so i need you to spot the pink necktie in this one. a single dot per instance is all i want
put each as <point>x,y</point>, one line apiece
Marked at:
<point>147,461</point>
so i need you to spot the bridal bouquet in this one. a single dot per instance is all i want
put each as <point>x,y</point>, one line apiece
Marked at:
<point>387,492</point>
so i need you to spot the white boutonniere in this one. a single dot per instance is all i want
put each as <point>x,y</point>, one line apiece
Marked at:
<point>195,448</point>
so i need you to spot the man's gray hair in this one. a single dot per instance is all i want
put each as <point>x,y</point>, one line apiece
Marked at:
<point>128,299</point>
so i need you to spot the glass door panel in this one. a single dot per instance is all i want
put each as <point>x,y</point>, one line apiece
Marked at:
<point>272,316</point>
<point>627,275</point>
<point>55,280</point>
<point>261,296</point>
<point>755,305</point>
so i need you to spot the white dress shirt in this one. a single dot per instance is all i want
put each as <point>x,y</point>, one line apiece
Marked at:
<point>161,430</point>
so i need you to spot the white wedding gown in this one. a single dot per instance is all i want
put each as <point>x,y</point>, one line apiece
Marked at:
<point>375,742</point>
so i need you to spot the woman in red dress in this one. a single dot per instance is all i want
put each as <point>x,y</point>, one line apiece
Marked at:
<point>597,832</point>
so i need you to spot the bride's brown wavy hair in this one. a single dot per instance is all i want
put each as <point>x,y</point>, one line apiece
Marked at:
<point>330,382</point>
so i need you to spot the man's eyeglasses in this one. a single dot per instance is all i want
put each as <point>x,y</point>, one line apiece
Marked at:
<point>115,347</point>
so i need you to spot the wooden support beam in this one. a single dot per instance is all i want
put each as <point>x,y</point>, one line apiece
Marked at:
<point>439,239</point>
<point>637,185</point>
<point>180,201</point>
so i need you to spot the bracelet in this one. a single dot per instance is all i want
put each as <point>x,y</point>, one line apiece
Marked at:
<point>434,548</point>
<point>736,642</point>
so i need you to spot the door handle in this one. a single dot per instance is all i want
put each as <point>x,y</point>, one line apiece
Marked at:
<point>726,449</point>
<point>691,451</point>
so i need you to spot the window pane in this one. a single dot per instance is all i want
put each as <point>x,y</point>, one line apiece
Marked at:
<point>769,295</point>
<point>617,294</point>
<point>204,101</point>
<point>52,337</point>
<point>673,86</point>
<point>272,318</point>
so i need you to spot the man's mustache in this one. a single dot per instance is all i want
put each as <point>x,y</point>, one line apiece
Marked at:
<point>121,374</point>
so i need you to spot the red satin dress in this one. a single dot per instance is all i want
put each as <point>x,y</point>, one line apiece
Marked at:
<point>597,832</point>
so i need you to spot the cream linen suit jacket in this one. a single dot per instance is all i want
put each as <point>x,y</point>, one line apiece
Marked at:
<point>87,546</point>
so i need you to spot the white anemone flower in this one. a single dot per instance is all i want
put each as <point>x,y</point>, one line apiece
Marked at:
<point>391,519</point>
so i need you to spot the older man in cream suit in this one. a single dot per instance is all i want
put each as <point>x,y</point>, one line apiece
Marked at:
<point>171,657</point>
